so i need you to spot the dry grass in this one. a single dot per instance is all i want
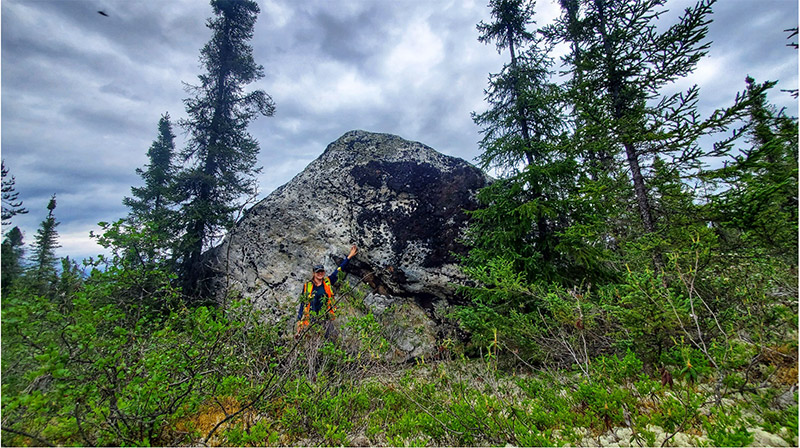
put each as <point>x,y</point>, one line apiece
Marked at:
<point>784,359</point>
<point>210,414</point>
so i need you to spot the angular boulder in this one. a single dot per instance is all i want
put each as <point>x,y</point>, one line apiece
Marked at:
<point>401,202</point>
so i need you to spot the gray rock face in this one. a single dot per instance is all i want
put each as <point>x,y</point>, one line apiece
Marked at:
<point>401,202</point>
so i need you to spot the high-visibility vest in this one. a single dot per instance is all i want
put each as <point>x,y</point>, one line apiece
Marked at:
<point>326,282</point>
<point>308,290</point>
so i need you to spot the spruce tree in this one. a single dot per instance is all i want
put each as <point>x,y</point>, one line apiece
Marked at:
<point>151,202</point>
<point>12,250</point>
<point>221,154</point>
<point>522,129</point>
<point>507,126</point>
<point>12,256</point>
<point>622,63</point>
<point>11,204</point>
<point>515,237</point>
<point>44,248</point>
<point>755,200</point>
<point>153,205</point>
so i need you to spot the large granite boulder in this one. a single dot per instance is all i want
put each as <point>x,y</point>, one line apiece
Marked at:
<point>401,202</point>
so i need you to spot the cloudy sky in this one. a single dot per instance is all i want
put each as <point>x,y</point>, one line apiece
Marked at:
<point>82,93</point>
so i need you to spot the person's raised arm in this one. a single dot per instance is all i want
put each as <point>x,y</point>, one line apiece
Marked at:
<point>335,276</point>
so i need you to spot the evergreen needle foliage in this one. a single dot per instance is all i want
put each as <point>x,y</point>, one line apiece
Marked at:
<point>154,202</point>
<point>221,156</point>
<point>12,205</point>
<point>609,230</point>
<point>45,243</point>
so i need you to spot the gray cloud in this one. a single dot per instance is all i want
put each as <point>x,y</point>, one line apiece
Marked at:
<point>82,93</point>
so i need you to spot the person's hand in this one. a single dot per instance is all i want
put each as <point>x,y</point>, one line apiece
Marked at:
<point>353,251</point>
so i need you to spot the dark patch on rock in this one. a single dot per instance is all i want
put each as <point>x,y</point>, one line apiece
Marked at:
<point>439,202</point>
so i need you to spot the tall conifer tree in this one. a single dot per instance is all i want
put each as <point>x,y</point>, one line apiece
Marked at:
<point>153,205</point>
<point>221,154</point>
<point>151,202</point>
<point>12,250</point>
<point>521,131</point>
<point>44,249</point>
<point>622,66</point>
<point>755,200</point>
<point>622,62</point>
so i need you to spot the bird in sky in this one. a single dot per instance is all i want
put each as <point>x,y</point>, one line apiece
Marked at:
<point>102,13</point>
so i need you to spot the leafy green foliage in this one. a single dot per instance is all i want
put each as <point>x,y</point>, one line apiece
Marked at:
<point>140,280</point>
<point>105,371</point>
<point>106,374</point>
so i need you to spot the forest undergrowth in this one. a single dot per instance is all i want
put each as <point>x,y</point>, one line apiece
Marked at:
<point>82,373</point>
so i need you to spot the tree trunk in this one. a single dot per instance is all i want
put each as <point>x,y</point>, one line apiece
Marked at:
<point>639,188</point>
<point>194,283</point>
<point>615,82</point>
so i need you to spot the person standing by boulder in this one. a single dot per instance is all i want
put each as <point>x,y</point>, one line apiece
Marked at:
<point>320,289</point>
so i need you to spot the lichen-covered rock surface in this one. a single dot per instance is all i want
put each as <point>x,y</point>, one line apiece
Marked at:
<point>401,202</point>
